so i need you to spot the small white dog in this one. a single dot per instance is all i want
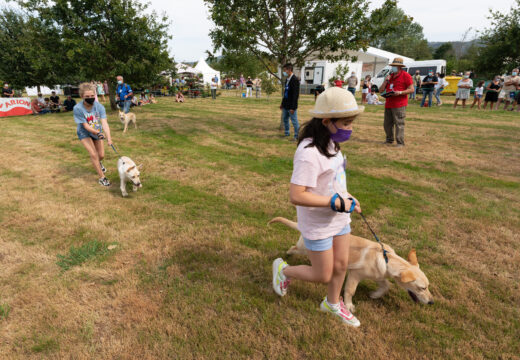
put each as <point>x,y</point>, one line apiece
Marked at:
<point>128,171</point>
<point>127,119</point>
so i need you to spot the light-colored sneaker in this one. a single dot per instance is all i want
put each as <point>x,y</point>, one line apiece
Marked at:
<point>346,316</point>
<point>280,282</point>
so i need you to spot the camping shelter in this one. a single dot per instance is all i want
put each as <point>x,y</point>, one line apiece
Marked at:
<point>182,69</point>
<point>207,72</point>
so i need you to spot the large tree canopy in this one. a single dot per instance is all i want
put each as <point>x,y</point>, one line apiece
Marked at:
<point>295,30</point>
<point>100,39</point>
<point>500,51</point>
<point>407,38</point>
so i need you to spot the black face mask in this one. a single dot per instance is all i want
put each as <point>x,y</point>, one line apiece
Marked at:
<point>90,101</point>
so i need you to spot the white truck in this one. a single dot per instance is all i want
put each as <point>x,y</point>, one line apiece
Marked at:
<point>438,66</point>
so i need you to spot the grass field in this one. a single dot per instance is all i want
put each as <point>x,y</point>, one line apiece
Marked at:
<point>182,268</point>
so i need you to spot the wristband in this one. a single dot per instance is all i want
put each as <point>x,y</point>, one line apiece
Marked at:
<point>353,206</point>
<point>333,202</point>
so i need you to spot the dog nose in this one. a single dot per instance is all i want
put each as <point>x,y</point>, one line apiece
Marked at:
<point>430,302</point>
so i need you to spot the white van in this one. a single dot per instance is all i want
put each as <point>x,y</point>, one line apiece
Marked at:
<point>438,66</point>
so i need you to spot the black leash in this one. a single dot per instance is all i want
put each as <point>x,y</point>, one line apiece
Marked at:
<point>113,147</point>
<point>373,233</point>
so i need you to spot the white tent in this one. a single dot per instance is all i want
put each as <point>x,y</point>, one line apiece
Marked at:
<point>185,69</point>
<point>33,91</point>
<point>375,59</point>
<point>207,72</point>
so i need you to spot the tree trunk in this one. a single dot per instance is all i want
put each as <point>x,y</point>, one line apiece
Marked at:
<point>39,89</point>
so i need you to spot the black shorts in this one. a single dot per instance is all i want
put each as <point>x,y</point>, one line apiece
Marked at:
<point>517,97</point>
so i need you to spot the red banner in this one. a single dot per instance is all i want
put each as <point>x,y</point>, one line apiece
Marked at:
<point>15,106</point>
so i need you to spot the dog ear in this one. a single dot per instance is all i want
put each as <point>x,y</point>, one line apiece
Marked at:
<point>130,168</point>
<point>407,276</point>
<point>412,258</point>
<point>140,166</point>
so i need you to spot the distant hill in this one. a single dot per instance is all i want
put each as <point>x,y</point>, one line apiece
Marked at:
<point>461,46</point>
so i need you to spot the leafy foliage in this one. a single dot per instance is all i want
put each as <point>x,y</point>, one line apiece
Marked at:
<point>233,63</point>
<point>270,84</point>
<point>295,30</point>
<point>407,38</point>
<point>500,52</point>
<point>341,73</point>
<point>101,39</point>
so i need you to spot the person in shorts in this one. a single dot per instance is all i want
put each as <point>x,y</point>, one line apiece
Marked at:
<point>91,119</point>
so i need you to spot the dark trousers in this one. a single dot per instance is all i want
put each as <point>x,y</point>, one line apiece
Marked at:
<point>394,118</point>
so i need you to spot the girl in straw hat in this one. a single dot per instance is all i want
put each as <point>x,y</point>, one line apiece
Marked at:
<point>319,191</point>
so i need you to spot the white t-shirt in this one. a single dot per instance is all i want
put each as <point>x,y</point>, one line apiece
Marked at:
<point>441,84</point>
<point>372,99</point>
<point>323,176</point>
<point>214,85</point>
<point>479,91</point>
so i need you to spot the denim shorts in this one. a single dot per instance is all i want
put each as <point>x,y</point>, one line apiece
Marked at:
<point>83,134</point>
<point>324,244</point>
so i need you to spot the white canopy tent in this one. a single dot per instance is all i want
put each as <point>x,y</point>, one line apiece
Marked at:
<point>33,91</point>
<point>376,59</point>
<point>185,69</point>
<point>207,72</point>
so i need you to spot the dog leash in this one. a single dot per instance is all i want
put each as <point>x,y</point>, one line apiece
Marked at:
<point>113,147</point>
<point>373,233</point>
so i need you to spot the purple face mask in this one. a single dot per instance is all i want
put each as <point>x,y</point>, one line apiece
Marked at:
<point>340,135</point>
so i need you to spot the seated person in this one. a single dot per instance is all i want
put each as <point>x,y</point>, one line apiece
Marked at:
<point>152,99</point>
<point>37,109</point>
<point>143,98</point>
<point>55,102</point>
<point>372,99</point>
<point>69,103</point>
<point>41,100</point>
<point>179,97</point>
<point>47,104</point>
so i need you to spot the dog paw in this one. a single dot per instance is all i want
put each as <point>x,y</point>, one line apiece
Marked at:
<point>350,307</point>
<point>125,194</point>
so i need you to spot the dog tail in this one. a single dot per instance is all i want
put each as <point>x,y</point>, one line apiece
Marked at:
<point>284,221</point>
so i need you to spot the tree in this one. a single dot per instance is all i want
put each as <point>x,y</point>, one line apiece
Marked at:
<point>234,63</point>
<point>341,73</point>
<point>31,54</point>
<point>406,39</point>
<point>444,51</point>
<point>106,38</point>
<point>295,30</point>
<point>500,52</point>
<point>270,84</point>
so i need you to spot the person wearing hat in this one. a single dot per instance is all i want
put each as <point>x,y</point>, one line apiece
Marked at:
<point>397,85</point>
<point>323,204</point>
<point>7,91</point>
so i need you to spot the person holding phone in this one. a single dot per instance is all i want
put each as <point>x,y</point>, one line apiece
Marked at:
<point>91,119</point>
<point>397,86</point>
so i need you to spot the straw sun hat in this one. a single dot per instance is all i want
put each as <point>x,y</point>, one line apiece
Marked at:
<point>336,103</point>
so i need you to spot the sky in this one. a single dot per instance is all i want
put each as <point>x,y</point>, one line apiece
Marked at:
<point>442,20</point>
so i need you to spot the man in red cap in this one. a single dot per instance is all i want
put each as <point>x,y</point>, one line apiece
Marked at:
<point>397,86</point>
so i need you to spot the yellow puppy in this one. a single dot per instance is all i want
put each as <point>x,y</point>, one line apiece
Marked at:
<point>126,119</point>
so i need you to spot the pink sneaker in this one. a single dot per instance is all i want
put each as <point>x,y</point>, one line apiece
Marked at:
<point>346,316</point>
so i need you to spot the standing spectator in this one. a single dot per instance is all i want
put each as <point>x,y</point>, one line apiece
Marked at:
<point>100,90</point>
<point>7,91</point>
<point>69,103</point>
<point>464,88</point>
<point>91,119</point>
<point>510,84</point>
<point>493,89</point>
<point>249,84</point>
<point>228,84</point>
<point>367,86</point>
<point>352,82</point>
<point>37,109</point>
<point>55,102</point>
<point>124,94</point>
<point>439,87</point>
<point>338,83</point>
<point>242,81</point>
<point>105,88</point>
<point>214,85</point>
<point>398,84</point>
<point>290,101</point>
<point>428,85</point>
<point>258,87</point>
<point>477,96</point>
<point>417,81</point>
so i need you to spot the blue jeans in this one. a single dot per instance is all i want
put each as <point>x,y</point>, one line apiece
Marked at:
<point>429,93</point>
<point>286,114</point>
<point>125,105</point>
<point>438,95</point>
<point>352,90</point>
<point>44,111</point>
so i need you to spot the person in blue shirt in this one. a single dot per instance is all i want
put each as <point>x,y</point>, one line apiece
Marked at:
<point>91,119</point>
<point>124,94</point>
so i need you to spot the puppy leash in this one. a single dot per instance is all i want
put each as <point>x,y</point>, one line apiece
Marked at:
<point>373,233</point>
<point>113,147</point>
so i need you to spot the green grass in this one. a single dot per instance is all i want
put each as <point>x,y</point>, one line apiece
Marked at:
<point>191,274</point>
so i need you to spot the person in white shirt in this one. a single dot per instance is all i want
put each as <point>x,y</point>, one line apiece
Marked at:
<point>439,87</point>
<point>372,99</point>
<point>214,86</point>
<point>477,96</point>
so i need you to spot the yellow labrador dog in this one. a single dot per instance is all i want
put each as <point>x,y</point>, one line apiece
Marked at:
<point>127,119</point>
<point>366,261</point>
<point>128,172</point>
